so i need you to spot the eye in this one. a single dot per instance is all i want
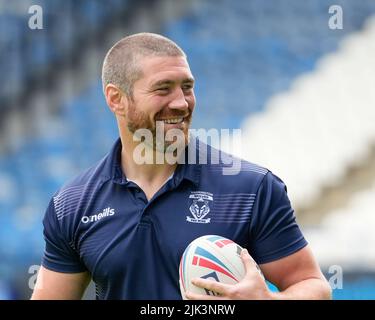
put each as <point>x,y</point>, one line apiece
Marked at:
<point>187,87</point>
<point>162,90</point>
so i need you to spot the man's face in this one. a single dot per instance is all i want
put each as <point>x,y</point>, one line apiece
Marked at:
<point>165,94</point>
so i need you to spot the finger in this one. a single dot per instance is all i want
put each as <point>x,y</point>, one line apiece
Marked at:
<point>195,296</point>
<point>215,286</point>
<point>248,262</point>
<point>251,267</point>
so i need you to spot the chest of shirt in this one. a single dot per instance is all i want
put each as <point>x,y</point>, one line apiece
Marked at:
<point>118,235</point>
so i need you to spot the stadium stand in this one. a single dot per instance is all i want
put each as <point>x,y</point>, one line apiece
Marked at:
<point>266,66</point>
<point>27,56</point>
<point>328,112</point>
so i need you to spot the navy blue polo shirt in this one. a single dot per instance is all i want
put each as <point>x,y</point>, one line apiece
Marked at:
<point>102,223</point>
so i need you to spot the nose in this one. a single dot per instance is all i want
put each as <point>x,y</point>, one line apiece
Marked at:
<point>178,101</point>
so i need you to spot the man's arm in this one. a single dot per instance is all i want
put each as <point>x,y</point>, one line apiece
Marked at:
<point>297,276</point>
<point>53,285</point>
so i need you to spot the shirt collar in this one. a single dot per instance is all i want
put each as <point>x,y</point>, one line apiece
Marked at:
<point>186,171</point>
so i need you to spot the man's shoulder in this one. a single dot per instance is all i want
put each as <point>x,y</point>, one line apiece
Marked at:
<point>75,191</point>
<point>230,165</point>
<point>90,175</point>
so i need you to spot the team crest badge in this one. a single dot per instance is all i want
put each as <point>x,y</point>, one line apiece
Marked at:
<point>199,207</point>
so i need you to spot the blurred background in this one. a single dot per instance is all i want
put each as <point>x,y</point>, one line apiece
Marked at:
<point>298,83</point>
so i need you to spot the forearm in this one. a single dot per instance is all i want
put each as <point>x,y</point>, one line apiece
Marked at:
<point>310,289</point>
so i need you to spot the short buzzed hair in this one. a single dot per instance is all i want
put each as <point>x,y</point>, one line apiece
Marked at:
<point>121,63</point>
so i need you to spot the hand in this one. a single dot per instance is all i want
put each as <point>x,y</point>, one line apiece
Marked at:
<point>252,286</point>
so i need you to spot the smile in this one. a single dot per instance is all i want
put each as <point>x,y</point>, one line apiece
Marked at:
<point>173,120</point>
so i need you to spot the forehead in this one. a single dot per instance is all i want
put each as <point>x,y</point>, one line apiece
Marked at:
<point>164,68</point>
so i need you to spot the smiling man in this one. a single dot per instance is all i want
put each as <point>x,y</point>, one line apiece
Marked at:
<point>125,224</point>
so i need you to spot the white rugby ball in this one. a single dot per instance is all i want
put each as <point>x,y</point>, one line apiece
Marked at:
<point>210,257</point>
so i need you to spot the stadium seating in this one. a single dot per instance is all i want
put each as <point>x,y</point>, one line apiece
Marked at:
<point>26,55</point>
<point>242,53</point>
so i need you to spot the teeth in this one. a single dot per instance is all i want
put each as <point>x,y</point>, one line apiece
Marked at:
<point>174,121</point>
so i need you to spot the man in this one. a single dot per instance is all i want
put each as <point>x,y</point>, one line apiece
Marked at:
<point>125,223</point>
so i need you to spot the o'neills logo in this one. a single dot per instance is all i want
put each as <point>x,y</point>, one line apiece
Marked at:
<point>95,217</point>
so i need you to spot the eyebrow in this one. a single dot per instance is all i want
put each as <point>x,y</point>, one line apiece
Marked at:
<point>168,82</point>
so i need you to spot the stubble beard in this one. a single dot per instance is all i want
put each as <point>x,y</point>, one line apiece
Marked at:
<point>138,121</point>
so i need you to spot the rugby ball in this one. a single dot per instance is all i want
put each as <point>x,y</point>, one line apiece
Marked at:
<point>210,257</point>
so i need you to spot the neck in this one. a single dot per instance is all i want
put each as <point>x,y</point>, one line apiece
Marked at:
<point>148,173</point>
<point>151,172</point>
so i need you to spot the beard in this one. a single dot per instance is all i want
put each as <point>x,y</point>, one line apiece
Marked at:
<point>138,121</point>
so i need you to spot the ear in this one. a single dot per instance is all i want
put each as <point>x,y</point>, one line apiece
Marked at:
<point>116,99</point>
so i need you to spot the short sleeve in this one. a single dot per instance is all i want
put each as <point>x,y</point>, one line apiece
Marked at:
<point>274,232</point>
<point>58,255</point>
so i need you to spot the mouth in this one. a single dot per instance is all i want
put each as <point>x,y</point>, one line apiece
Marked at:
<point>175,120</point>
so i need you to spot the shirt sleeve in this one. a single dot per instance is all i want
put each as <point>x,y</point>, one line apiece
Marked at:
<point>58,255</point>
<point>274,232</point>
